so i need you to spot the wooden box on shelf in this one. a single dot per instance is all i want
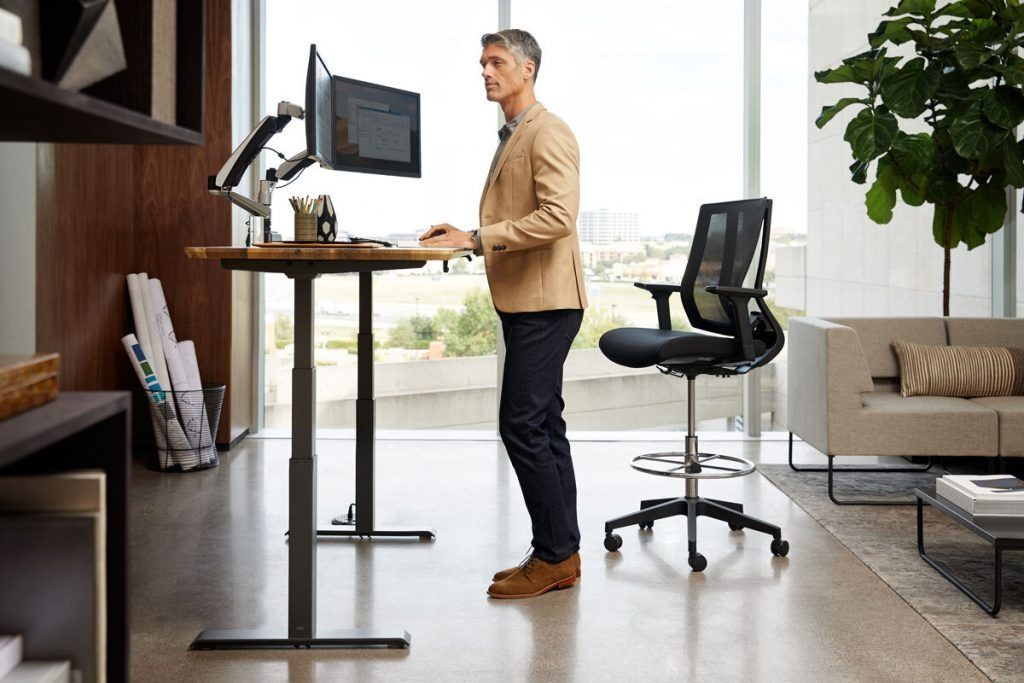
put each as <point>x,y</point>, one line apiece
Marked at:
<point>27,381</point>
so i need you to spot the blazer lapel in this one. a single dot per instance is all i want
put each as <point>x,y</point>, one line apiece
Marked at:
<point>510,146</point>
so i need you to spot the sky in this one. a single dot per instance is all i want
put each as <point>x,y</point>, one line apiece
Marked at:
<point>652,90</point>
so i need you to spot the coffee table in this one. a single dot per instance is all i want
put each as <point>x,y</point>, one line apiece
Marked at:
<point>1002,533</point>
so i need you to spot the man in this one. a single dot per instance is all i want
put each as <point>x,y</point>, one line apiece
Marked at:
<point>528,238</point>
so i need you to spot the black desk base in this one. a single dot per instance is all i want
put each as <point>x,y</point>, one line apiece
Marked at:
<point>422,534</point>
<point>269,638</point>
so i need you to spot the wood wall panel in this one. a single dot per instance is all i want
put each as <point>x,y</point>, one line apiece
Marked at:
<point>84,240</point>
<point>104,211</point>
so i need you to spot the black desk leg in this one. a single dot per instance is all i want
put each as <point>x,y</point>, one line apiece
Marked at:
<point>301,518</point>
<point>991,610</point>
<point>365,428</point>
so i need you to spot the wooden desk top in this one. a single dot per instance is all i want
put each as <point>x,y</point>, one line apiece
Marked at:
<point>327,254</point>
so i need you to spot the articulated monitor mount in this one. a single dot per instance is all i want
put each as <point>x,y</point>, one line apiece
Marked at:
<point>230,175</point>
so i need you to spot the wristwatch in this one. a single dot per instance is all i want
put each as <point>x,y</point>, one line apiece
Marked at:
<point>476,239</point>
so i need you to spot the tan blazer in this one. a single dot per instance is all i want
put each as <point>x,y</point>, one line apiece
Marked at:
<point>528,219</point>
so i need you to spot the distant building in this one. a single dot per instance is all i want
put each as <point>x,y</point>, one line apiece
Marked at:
<point>605,227</point>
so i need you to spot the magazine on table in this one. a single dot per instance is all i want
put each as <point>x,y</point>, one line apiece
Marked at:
<point>992,494</point>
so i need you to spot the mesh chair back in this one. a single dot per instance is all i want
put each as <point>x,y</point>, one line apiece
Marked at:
<point>724,244</point>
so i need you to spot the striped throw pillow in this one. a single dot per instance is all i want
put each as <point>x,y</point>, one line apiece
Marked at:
<point>962,371</point>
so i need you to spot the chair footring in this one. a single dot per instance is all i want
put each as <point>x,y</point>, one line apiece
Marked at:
<point>707,466</point>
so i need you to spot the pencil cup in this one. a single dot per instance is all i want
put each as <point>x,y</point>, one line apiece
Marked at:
<point>326,220</point>
<point>305,227</point>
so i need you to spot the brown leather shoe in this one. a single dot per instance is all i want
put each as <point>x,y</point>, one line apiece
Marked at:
<point>505,573</point>
<point>536,577</point>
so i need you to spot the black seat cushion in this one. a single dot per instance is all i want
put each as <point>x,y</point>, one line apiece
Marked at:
<point>641,347</point>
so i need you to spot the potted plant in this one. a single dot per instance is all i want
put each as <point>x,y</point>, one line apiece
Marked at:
<point>964,82</point>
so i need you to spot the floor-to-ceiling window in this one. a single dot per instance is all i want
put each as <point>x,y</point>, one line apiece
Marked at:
<point>784,121</point>
<point>431,49</point>
<point>654,94</point>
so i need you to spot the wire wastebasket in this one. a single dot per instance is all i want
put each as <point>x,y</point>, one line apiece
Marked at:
<point>185,427</point>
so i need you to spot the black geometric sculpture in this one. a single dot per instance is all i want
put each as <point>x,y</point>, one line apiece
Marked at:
<point>326,220</point>
<point>81,42</point>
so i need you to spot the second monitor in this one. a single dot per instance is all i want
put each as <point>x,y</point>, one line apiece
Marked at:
<point>366,128</point>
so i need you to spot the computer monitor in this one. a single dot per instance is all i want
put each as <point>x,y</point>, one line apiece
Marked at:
<point>358,126</point>
<point>319,112</point>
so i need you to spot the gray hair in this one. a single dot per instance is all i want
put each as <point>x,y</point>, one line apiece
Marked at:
<point>519,43</point>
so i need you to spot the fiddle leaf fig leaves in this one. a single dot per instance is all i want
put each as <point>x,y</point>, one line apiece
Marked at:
<point>972,136</point>
<point>871,133</point>
<point>906,91</point>
<point>920,7</point>
<point>963,86</point>
<point>828,113</point>
<point>1003,106</point>
<point>881,198</point>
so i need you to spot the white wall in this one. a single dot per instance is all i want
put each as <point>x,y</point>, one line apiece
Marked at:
<point>18,251</point>
<point>854,266</point>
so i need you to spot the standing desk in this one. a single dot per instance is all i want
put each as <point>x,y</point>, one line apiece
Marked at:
<point>304,265</point>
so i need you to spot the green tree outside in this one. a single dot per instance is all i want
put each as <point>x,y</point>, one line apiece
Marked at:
<point>413,333</point>
<point>284,331</point>
<point>471,331</point>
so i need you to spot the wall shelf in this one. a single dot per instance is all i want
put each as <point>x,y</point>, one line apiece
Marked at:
<point>117,109</point>
<point>38,111</point>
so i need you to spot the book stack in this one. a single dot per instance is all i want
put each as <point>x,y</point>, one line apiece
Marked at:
<point>14,56</point>
<point>985,495</point>
<point>27,381</point>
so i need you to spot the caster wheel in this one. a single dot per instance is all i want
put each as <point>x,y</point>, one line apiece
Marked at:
<point>780,547</point>
<point>612,542</point>
<point>697,562</point>
<point>735,527</point>
<point>647,525</point>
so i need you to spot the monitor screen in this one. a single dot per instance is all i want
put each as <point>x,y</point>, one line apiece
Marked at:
<point>376,129</point>
<point>319,116</point>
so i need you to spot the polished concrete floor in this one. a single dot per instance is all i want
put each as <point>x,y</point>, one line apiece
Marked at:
<point>208,551</point>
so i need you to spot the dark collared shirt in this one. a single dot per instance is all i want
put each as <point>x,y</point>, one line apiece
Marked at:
<point>504,133</point>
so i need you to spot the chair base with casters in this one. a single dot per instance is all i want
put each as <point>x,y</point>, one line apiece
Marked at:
<point>692,465</point>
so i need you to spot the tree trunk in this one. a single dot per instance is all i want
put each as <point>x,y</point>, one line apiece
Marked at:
<point>947,238</point>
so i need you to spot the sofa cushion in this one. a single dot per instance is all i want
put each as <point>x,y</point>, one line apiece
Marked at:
<point>965,371</point>
<point>890,424</point>
<point>1011,422</point>
<point>876,335</point>
<point>984,331</point>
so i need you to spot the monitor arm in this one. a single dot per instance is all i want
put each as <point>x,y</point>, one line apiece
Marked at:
<point>230,175</point>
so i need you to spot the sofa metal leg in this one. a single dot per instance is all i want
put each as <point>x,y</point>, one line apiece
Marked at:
<point>831,469</point>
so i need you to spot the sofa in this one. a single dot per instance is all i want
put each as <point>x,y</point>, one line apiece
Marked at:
<point>844,390</point>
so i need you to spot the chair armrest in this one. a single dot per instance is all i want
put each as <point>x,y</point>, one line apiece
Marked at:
<point>737,292</point>
<point>661,292</point>
<point>740,297</point>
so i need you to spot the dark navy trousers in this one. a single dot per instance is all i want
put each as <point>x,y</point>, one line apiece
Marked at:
<point>531,425</point>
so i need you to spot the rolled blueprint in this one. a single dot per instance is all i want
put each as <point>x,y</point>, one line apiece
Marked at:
<point>189,402</point>
<point>157,362</point>
<point>187,349</point>
<point>173,443</point>
<point>139,314</point>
